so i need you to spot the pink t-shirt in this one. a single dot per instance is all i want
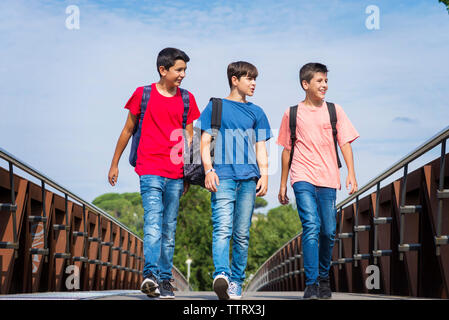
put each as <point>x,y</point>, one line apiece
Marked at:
<point>314,158</point>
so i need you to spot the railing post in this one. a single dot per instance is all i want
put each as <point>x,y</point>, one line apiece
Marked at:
<point>402,216</point>
<point>376,215</point>
<point>441,194</point>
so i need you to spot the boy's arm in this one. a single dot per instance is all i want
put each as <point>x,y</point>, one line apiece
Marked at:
<point>211,180</point>
<point>121,145</point>
<point>346,150</point>
<point>189,130</point>
<point>283,199</point>
<point>262,161</point>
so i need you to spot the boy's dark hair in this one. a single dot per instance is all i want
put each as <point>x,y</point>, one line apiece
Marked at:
<point>167,57</point>
<point>308,71</point>
<point>241,69</point>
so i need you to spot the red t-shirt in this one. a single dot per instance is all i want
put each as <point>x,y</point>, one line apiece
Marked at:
<point>161,142</point>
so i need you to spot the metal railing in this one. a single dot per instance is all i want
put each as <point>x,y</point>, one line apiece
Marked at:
<point>268,275</point>
<point>131,250</point>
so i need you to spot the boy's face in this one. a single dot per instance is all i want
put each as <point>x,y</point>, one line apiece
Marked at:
<point>175,73</point>
<point>317,87</point>
<point>245,85</point>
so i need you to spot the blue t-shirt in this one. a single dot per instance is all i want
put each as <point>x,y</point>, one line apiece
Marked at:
<point>242,125</point>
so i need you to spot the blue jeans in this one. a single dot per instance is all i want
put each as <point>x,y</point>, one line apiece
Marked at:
<point>160,199</point>
<point>317,212</point>
<point>232,210</point>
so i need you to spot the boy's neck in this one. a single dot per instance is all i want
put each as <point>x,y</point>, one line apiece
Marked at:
<point>166,89</point>
<point>313,102</point>
<point>237,96</point>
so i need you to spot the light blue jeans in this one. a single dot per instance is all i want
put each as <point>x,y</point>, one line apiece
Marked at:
<point>317,212</point>
<point>160,199</point>
<point>232,210</point>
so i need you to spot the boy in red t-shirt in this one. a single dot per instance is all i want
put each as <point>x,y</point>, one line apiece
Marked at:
<point>161,176</point>
<point>315,175</point>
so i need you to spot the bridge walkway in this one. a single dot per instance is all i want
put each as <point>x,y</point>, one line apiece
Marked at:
<point>189,295</point>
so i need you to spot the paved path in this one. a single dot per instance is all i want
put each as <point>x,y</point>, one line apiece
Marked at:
<point>185,295</point>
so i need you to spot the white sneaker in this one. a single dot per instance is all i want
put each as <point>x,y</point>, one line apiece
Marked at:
<point>221,285</point>
<point>235,291</point>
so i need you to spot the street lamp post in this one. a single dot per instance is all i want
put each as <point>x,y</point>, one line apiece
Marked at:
<point>188,261</point>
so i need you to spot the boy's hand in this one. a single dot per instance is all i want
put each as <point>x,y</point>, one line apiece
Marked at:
<point>113,175</point>
<point>186,187</point>
<point>262,186</point>
<point>211,181</point>
<point>350,180</point>
<point>283,199</point>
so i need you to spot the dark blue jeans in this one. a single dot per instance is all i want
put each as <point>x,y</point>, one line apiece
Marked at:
<point>317,212</point>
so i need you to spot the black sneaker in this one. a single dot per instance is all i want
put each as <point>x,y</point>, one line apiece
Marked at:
<point>167,289</point>
<point>221,285</point>
<point>311,292</point>
<point>324,289</point>
<point>149,286</point>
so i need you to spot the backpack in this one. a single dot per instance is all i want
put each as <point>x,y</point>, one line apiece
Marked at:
<point>138,127</point>
<point>193,166</point>
<point>292,125</point>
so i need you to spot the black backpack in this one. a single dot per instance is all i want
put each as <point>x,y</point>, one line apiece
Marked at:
<point>138,127</point>
<point>193,167</point>
<point>292,125</point>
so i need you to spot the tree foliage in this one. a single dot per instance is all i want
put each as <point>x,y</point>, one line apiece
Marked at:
<point>270,232</point>
<point>126,207</point>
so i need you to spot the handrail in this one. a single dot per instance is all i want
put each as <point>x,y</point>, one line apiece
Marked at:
<point>35,173</point>
<point>426,146</point>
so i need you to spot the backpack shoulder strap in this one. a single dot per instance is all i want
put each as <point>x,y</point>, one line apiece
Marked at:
<point>145,99</point>
<point>292,124</point>
<point>333,119</point>
<point>217,107</point>
<point>186,101</point>
<point>143,106</point>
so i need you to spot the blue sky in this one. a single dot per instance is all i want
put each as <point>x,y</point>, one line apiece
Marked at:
<point>62,91</point>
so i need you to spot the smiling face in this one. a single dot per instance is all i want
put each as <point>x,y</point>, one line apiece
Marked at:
<point>317,87</point>
<point>175,74</point>
<point>245,85</point>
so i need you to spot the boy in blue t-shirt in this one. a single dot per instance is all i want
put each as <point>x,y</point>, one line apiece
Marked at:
<point>238,172</point>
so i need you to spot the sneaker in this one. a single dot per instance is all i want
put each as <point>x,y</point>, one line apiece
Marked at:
<point>324,289</point>
<point>221,285</point>
<point>167,289</point>
<point>235,291</point>
<point>311,292</point>
<point>149,286</point>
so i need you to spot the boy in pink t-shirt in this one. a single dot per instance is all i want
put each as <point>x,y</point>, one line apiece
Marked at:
<point>314,174</point>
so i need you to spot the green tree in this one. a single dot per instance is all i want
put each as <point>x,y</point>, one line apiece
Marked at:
<point>126,207</point>
<point>194,238</point>
<point>260,203</point>
<point>270,232</point>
